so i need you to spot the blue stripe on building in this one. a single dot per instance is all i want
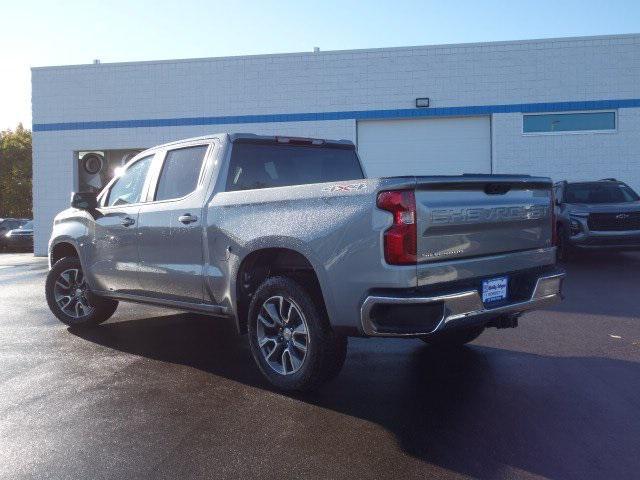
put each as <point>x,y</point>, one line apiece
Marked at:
<point>343,115</point>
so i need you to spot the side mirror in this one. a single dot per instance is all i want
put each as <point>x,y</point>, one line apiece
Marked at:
<point>84,200</point>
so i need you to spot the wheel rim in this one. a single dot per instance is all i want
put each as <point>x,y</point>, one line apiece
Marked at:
<point>70,293</point>
<point>282,334</point>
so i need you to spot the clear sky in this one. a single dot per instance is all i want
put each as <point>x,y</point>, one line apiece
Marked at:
<point>38,33</point>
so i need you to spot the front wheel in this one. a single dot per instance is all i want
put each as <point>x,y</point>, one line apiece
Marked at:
<point>70,299</point>
<point>290,336</point>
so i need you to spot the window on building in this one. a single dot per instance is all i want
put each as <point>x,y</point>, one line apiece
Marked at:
<point>128,188</point>
<point>266,165</point>
<point>569,122</point>
<point>180,172</point>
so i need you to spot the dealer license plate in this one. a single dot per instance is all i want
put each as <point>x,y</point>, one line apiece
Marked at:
<point>494,289</point>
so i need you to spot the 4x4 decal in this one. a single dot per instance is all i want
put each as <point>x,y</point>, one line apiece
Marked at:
<point>345,188</point>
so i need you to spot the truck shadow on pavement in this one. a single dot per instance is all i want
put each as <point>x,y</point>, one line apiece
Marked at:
<point>475,411</point>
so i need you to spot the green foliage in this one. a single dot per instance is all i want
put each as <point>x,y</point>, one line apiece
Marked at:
<point>15,173</point>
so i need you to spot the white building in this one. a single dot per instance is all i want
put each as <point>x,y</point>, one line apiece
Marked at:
<point>568,108</point>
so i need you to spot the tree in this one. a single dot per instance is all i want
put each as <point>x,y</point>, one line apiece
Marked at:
<point>15,173</point>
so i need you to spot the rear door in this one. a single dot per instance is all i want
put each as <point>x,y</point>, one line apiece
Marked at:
<point>171,226</point>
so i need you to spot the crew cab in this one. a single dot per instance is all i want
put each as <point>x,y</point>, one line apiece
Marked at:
<point>292,241</point>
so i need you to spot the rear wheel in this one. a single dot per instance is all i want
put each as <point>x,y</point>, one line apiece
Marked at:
<point>454,338</point>
<point>70,299</point>
<point>290,337</point>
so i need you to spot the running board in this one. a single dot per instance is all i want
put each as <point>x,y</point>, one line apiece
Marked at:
<point>177,304</point>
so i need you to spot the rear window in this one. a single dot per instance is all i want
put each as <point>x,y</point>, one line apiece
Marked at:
<point>599,193</point>
<point>259,165</point>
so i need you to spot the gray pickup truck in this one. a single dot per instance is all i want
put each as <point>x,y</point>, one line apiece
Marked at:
<point>291,240</point>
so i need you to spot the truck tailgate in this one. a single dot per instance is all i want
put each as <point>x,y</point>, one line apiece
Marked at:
<point>481,215</point>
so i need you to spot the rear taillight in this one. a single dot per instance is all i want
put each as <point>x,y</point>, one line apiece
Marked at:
<point>400,239</point>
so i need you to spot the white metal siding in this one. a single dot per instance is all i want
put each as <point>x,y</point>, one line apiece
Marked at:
<point>572,156</point>
<point>433,146</point>
<point>530,71</point>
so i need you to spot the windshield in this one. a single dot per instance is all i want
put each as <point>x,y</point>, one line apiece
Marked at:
<point>27,226</point>
<point>599,192</point>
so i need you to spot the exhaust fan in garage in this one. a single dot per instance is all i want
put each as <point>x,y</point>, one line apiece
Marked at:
<point>97,167</point>
<point>91,170</point>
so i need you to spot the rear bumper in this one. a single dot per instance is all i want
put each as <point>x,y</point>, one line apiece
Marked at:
<point>452,310</point>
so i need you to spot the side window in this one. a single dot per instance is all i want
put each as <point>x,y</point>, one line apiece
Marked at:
<point>180,172</point>
<point>128,188</point>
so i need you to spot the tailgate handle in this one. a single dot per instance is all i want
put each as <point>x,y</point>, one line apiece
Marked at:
<point>496,188</point>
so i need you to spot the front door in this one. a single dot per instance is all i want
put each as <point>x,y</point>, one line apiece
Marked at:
<point>171,228</point>
<point>113,258</point>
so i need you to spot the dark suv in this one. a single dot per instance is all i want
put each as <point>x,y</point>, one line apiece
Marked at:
<point>603,214</point>
<point>6,225</point>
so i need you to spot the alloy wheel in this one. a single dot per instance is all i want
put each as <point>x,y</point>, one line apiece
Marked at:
<point>70,293</point>
<point>283,337</point>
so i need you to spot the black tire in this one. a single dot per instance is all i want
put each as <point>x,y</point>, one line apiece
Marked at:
<point>99,309</point>
<point>454,338</point>
<point>564,252</point>
<point>324,352</point>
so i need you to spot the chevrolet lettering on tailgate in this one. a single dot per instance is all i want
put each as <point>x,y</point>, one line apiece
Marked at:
<point>483,214</point>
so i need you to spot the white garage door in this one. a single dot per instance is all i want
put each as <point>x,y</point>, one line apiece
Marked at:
<point>432,146</point>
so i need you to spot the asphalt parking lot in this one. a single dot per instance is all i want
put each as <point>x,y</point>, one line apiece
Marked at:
<point>162,394</point>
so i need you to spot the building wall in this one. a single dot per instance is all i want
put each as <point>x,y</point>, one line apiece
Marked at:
<point>573,156</point>
<point>216,93</point>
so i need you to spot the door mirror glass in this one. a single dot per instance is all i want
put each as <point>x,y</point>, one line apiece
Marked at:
<point>84,200</point>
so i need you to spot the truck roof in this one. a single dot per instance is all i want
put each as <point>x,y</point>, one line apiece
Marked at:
<point>252,137</point>
<point>592,182</point>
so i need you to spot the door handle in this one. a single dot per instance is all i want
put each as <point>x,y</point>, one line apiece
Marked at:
<point>127,221</point>
<point>187,218</point>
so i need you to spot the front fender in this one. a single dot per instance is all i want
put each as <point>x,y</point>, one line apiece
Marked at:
<point>73,228</point>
